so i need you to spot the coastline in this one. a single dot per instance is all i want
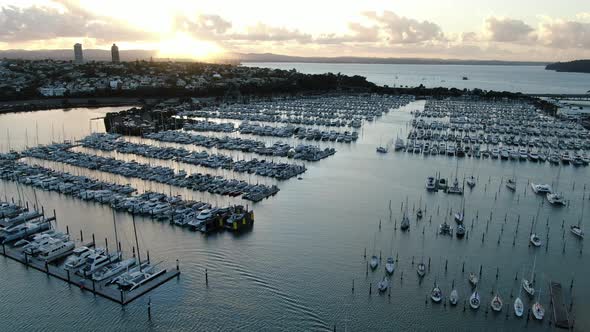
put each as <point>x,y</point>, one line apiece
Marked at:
<point>30,105</point>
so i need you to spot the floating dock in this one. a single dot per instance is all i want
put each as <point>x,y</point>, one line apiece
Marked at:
<point>103,288</point>
<point>560,313</point>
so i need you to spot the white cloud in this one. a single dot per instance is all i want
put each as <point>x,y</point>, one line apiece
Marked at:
<point>508,30</point>
<point>565,34</point>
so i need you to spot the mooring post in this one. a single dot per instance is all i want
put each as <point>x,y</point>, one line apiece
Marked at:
<point>106,245</point>
<point>353,285</point>
<point>148,256</point>
<point>93,241</point>
<point>177,266</point>
<point>46,267</point>
<point>122,300</point>
<point>67,229</point>
<point>81,236</point>
<point>206,277</point>
<point>68,273</point>
<point>370,288</point>
<point>3,249</point>
<point>150,308</point>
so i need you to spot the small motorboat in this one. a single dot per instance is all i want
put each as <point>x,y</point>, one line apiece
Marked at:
<point>454,297</point>
<point>496,303</point>
<point>536,240</point>
<point>381,149</point>
<point>390,265</point>
<point>444,228</point>
<point>405,224</point>
<point>474,300</point>
<point>419,213</point>
<point>459,217</point>
<point>430,184</point>
<point>374,262</point>
<point>577,231</point>
<point>518,307</point>
<point>473,279</point>
<point>556,199</point>
<point>436,294</point>
<point>541,188</point>
<point>383,284</point>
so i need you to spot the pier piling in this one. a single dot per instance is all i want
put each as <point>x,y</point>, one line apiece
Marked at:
<point>206,277</point>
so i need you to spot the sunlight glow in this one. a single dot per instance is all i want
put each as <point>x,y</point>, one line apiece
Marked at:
<point>182,45</point>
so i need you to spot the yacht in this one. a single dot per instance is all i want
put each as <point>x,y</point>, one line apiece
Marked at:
<point>460,231</point>
<point>444,228</point>
<point>56,250</point>
<point>132,280</point>
<point>577,231</point>
<point>381,149</point>
<point>23,230</point>
<point>389,265</point>
<point>538,311</point>
<point>405,224</point>
<point>541,188</point>
<point>399,144</point>
<point>556,199</point>
<point>442,184</point>
<point>474,300</point>
<point>112,270</point>
<point>95,262</point>
<point>78,258</point>
<point>496,303</point>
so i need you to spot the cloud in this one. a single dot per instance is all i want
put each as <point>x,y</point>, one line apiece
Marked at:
<point>565,34</point>
<point>263,32</point>
<point>43,23</point>
<point>469,37</point>
<point>508,30</point>
<point>202,26</point>
<point>583,16</point>
<point>403,30</point>
<point>359,34</point>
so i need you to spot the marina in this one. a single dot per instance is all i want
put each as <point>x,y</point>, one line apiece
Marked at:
<point>407,263</point>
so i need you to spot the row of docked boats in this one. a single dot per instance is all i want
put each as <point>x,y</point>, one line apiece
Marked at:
<point>278,170</point>
<point>329,111</point>
<point>157,205</point>
<point>195,181</point>
<point>279,149</point>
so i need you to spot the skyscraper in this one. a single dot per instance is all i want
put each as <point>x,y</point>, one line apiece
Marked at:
<point>115,53</point>
<point>78,56</point>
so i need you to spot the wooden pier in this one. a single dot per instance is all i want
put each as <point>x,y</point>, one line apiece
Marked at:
<point>560,313</point>
<point>103,288</point>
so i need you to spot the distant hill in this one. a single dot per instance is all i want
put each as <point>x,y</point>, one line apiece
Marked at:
<point>270,57</point>
<point>132,55</point>
<point>576,66</point>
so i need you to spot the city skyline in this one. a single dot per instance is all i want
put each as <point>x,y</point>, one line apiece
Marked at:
<point>528,31</point>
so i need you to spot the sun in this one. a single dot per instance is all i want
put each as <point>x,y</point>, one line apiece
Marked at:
<point>183,46</point>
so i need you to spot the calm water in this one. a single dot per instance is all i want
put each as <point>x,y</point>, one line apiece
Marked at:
<point>294,271</point>
<point>525,79</point>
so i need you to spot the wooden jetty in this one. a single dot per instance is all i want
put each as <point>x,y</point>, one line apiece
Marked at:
<point>103,288</point>
<point>560,314</point>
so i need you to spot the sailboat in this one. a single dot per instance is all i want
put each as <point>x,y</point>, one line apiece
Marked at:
<point>390,263</point>
<point>534,238</point>
<point>554,197</point>
<point>419,211</point>
<point>454,296</point>
<point>497,303</point>
<point>444,228</point>
<point>436,293</point>
<point>518,305</point>
<point>421,268</point>
<point>538,310</point>
<point>474,300</point>
<point>473,279</point>
<point>577,229</point>
<point>374,259</point>
<point>527,284</point>
<point>405,224</point>
<point>383,284</point>
<point>460,216</point>
<point>511,183</point>
<point>471,181</point>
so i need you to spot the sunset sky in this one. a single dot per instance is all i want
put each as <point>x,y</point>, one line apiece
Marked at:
<point>544,30</point>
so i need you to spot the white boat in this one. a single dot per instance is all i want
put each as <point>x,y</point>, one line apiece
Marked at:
<point>399,144</point>
<point>389,265</point>
<point>556,199</point>
<point>95,262</point>
<point>405,224</point>
<point>112,270</point>
<point>470,181</point>
<point>511,184</point>
<point>497,303</point>
<point>383,284</point>
<point>374,262</point>
<point>23,230</point>
<point>460,231</point>
<point>538,311</point>
<point>436,294</point>
<point>56,250</point>
<point>541,188</point>
<point>527,284</point>
<point>577,229</point>
<point>78,257</point>
<point>430,184</point>
<point>454,297</point>
<point>473,279</point>
<point>421,269</point>
<point>132,280</point>
<point>474,300</point>
<point>518,307</point>
<point>536,240</point>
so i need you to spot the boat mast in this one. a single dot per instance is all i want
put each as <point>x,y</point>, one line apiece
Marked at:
<point>136,242</point>
<point>116,236</point>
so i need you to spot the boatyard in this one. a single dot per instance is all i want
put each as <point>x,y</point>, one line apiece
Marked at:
<point>458,239</point>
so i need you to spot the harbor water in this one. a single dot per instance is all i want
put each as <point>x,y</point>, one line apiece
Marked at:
<point>295,270</point>
<point>525,79</point>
